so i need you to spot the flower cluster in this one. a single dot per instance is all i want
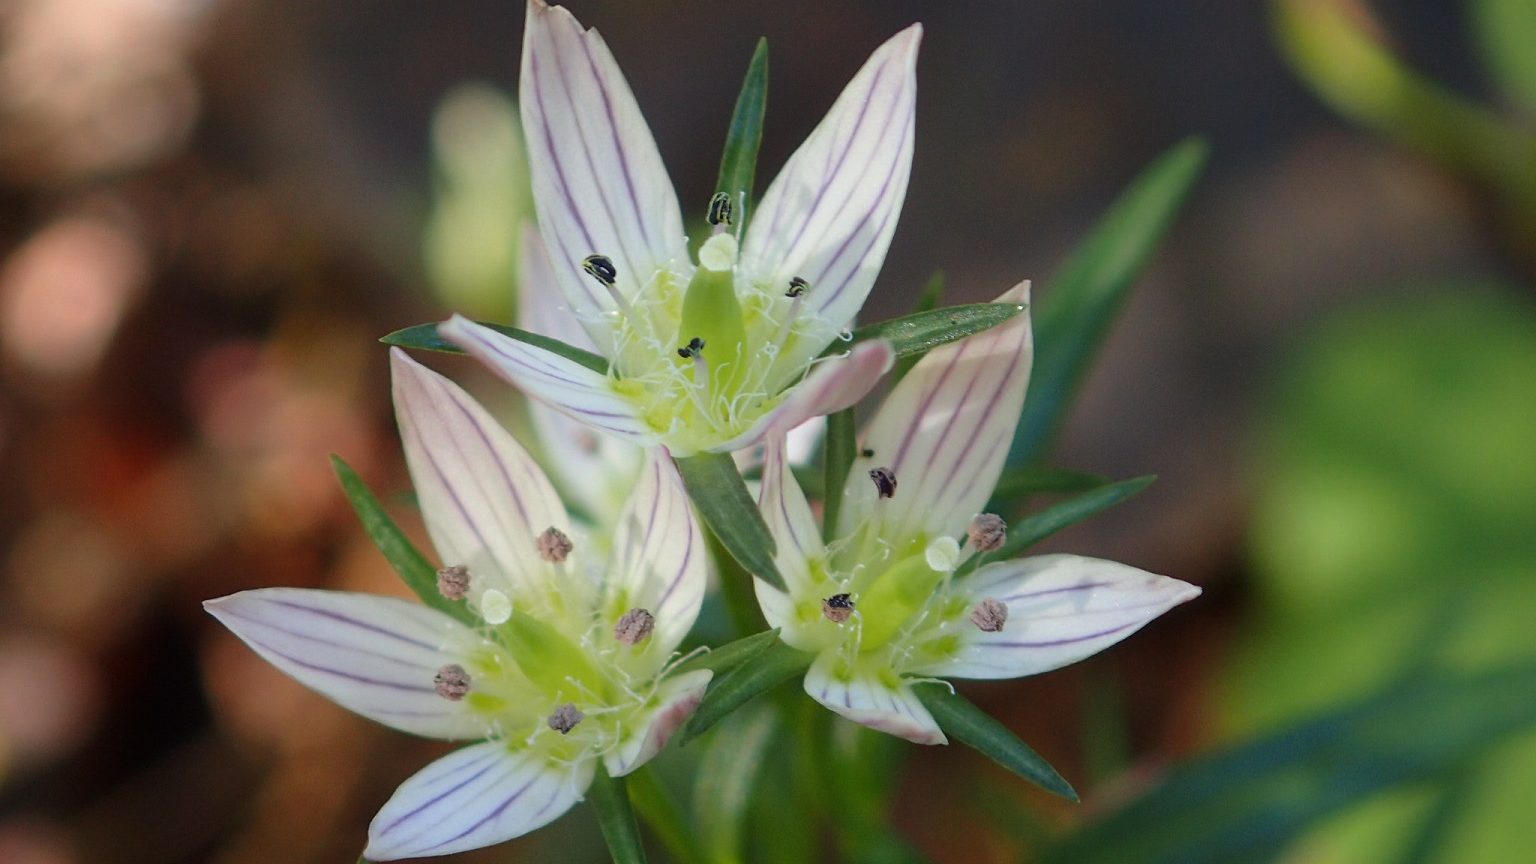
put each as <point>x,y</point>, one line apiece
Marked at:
<point>553,642</point>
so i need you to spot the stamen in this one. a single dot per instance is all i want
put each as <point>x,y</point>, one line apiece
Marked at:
<point>797,290</point>
<point>600,267</point>
<point>554,546</point>
<point>495,607</point>
<point>867,453</point>
<point>565,718</point>
<point>695,349</point>
<point>988,531</point>
<point>635,627</point>
<point>837,608</point>
<point>453,582</point>
<point>451,682</point>
<point>885,481</point>
<point>720,212</point>
<point>990,615</point>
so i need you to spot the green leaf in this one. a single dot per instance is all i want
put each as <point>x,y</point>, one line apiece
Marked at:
<point>1023,481</point>
<point>1072,319</point>
<point>1506,30</point>
<point>1248,802</point>
<point>658,808</point>
<point>1038,526</point>
<point>414,568</point>
<point>738,166</point>
<point>921,332</point>
<point>838,455</point>
<point>727,508</point>
<point>769,668</point>
<point>928,301</point>
<point>730,655</point>
<point>424,337</point>
<point>973,727</point>
<point>615,817</point>
<point>726,776</point>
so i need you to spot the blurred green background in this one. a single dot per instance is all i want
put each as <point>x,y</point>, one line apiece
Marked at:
<point>210,209</point>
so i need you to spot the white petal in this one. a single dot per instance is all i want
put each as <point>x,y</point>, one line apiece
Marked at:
<point>593,471</point>
<point>484,499</point>
<point>1061,608</point>
<point>833,385</point>
<point>796,537</point>
<point>598,181</point>
<point>376,656</point>
<point>474,797</point>
<point>829,215</point>
<point>565,385</point>
<point>864,698</point>
<point>676,700</point>
<point>945,432</point>
<point>660,563</point>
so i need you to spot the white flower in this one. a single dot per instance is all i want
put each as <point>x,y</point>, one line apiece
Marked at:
<point>881,606</point>
<point>717,355</point>
<point>566,666</point>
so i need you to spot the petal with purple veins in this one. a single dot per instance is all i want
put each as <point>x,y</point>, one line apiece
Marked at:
<point>865,695</point>
<point>675,701</point>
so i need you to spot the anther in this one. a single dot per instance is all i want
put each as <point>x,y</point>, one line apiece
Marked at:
<point>988,531</point>
<point>990,615</point>
<point>635,627</point>
<point>885,481</point>
<point>451,682</point>
<point>797,287</point>
<point>837,608</point>
<point>694,348</point>
<point>565,718</point>
<point>453,582</point>
<point>495,607</point>
<point>720,210</point>
<point>867,453</point>
<point>600,267</point>
<point>554,546</point>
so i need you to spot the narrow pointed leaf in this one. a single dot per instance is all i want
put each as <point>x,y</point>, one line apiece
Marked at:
<point>964,722</point>
<point>730,655</point>
<point>933,293</point>
<point>771,667</point>
<point>424,337</point>
<point>610,800</point>
<point>659,809</point>
<point>1035,480</point>
<point>1036,527</point>
<point>923,331</point>
<point>1251,801</point>
<point>838,456</point>
<point>1072,319</point>
<point>727,508</point>
<point>738,166</point>
<point>727,774</point>
<point>415,570</point>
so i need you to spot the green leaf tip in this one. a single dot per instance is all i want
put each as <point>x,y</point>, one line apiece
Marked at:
<point>610,800</point>
<point>423,337</point>
<point>923,331</point>
<point>1038,526</point>
<point>738,164</point>
<point>968,724</point>
<point>726,506</point>
<point>771,667</point>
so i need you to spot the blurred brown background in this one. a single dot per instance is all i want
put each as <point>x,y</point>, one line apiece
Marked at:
<point>210,209</point>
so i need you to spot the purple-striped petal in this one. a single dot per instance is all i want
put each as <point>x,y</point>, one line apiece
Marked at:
<point>598,180</point>
<point>484,499</point>
<point>659,559</point>
<point>833,385</point>
<point>474,797</point>
<point>829,215</point>
<point>675,701</point>
<point>593,471</point>
<point>944,431</point>
<point>564,385</point>
<point>864,696</point>
<point>1061,608</point>
<point>376,656</point>
<point>796,538</point>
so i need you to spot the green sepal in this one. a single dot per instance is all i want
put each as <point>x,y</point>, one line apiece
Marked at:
<point>837,455</point>
<point>1038,526</point>
<point>610,801</point>
<point>921,332</point>
<point>415,570</point>
<point>738,165</point>
<point>1072,318</point>
<point>424,337</point>
<point>730,655</point>
<point>768,669</point>
<point>963,721</point>
<point>721,498</point>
